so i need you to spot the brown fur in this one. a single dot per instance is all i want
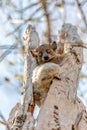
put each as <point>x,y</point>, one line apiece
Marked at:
<point>47,69</point>
<point>44,53</point>
<point>42,77</point>
<point>48,53</point>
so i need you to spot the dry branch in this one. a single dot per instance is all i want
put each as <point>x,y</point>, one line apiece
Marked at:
<point>48,22</point>
<point>81,12</point>
<point>20,117</point>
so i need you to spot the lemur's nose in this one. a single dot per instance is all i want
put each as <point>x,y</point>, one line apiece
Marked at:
<point>46,57</point>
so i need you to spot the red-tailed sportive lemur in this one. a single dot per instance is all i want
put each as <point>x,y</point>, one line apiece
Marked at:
<point>46,70</point>
<point>49,60</point>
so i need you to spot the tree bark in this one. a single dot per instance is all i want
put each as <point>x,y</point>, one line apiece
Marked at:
<point>21,115</point>
<point>62,109</point>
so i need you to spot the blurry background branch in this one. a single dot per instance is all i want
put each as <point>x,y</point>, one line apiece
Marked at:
<point>8,51</point>
<point>3,122</point>
<point>83,2</point>
<point>27,7</point>
<point>79,6</point>
<point>2,117</point>
<point>48,21</point>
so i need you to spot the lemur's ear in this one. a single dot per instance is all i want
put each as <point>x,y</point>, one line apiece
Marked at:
<point>54,45</point>
<point>33,52</point>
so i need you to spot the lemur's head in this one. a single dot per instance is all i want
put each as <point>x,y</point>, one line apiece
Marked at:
<point>43,53</point>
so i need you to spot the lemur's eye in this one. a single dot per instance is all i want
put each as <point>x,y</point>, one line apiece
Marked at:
<point>40,54</point>
<point>48,50</point>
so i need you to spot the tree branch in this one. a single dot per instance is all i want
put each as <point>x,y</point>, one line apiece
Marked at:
<point>48,22</point>
<point>62,110</point>
<point>81,12</point>
<point>21,115</point>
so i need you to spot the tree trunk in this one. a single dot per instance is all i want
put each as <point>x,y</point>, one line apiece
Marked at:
<point>62,109</point>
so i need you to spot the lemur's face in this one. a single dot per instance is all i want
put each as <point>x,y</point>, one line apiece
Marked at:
<point>43,53</point>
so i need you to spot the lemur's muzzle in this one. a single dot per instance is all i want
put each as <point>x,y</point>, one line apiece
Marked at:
<point>46,57</point>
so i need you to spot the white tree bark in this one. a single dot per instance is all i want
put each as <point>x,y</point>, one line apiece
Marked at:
<point>20,117</point>
<point>59,112</point>
<point>31,41</point>
<point>62,109</point>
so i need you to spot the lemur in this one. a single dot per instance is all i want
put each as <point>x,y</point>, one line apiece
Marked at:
<point>48,68</point>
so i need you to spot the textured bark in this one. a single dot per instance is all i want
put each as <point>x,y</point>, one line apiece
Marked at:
<point>62,109</point>
<point>31,41</point>
<point>58,113</point>
<point>20,117</point>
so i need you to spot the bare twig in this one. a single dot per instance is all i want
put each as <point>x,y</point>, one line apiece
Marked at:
<point>69,3</point>
<point>48,22</point>
<point>8,46</point>
<point>60,4</point>
<point>38,9</point>
<point>3,123</point>
<point>83,2</point>
<point>9,50</point>
<point>2,117</point>
<point>28,7</point>
<point>17,28</point>
<point>81,12</point>
<point>22,21</point>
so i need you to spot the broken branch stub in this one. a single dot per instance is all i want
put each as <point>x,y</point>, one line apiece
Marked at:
<point>31,39</point>
<point>20,117</point>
